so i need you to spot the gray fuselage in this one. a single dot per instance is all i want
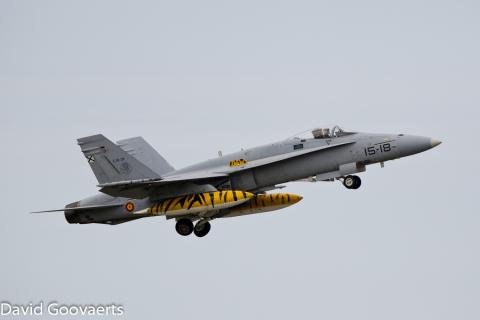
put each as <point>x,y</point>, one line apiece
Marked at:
<point>345,153</point>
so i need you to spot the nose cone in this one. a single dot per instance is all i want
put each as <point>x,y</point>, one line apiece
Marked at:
<point>409,145</point>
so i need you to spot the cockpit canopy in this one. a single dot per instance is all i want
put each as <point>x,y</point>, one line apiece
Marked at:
<point>322,133</point>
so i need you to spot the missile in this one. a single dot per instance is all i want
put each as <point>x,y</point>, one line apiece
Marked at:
<point>263,203</point>
<point>198,202</point>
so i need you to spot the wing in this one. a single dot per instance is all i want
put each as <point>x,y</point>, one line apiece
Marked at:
<point>282,157</point>
<point>80,208</point>
<point>142,188</point>
<point>226,171</point>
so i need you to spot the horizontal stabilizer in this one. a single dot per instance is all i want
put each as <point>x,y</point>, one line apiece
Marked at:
<point>81,208</point>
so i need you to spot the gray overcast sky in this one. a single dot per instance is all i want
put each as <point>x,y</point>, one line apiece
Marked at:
<point>193,77</point>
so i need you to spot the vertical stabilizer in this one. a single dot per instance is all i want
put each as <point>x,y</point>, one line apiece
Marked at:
<point>146,154</point>
<point>110,163</point>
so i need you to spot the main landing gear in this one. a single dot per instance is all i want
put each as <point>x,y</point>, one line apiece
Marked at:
<point>202,228</point>
<point>185,227</point>
<point>352,182</point>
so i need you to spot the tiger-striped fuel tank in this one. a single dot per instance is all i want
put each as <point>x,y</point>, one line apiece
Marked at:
<point>198,202</point>
<point>264,203</point>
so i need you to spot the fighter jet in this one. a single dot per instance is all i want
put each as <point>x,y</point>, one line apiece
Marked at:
<point>136,182</point>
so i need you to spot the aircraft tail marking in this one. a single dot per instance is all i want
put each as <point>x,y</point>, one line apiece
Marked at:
<point>110,163</point>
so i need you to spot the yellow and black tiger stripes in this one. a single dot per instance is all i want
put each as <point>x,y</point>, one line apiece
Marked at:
<point>271,200</point>
<point>217,200</point>
<point>207,200</point>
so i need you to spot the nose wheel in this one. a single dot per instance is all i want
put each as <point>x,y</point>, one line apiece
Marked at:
<point>352,182</point>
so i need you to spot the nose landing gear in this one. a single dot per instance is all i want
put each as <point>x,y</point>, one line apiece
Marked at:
<point>352,182</point>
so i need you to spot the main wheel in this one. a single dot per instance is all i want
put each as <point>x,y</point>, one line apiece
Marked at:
<point>184,227</point>
<point>201,229</point>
